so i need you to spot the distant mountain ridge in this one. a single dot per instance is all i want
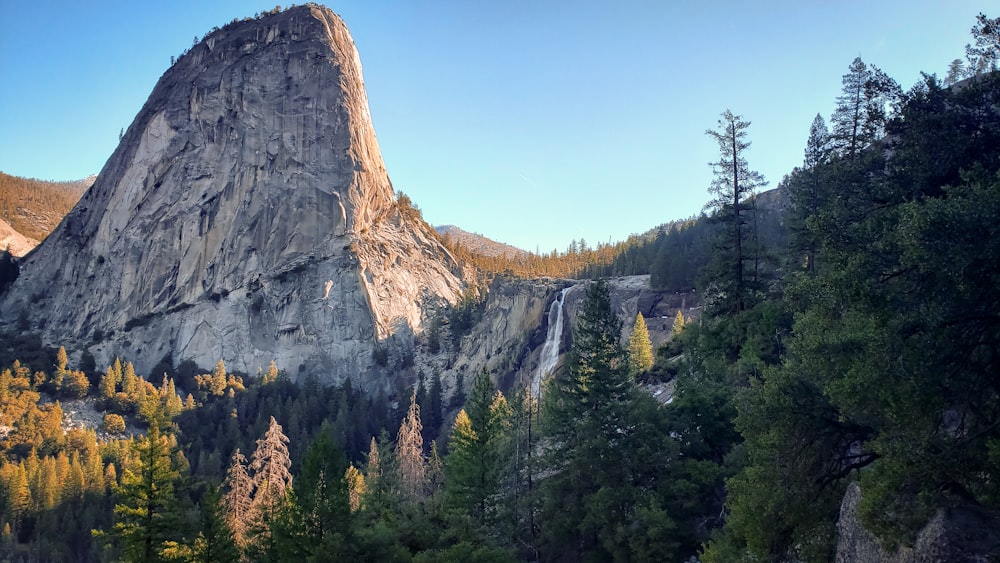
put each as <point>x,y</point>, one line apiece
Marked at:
<point>33,208</point>
<point>479,244</point>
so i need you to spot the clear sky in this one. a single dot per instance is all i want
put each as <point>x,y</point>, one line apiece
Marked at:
<point>533,122</point>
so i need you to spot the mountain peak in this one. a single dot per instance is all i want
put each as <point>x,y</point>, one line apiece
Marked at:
<point>246,215</point>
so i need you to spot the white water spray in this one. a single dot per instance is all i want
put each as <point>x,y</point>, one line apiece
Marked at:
<point>550,350</point>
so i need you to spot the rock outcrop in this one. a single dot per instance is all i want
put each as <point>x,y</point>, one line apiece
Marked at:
<point>246,215</point>
<point>961,533</point>
<point>509,339</point>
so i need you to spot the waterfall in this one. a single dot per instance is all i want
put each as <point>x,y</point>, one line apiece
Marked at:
<point>550,350</point>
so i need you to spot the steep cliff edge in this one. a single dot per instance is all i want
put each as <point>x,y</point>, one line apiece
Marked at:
<point>960,533</point>
<point>246,215</point>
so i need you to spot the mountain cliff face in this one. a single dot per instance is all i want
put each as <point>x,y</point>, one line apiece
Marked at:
<point>246,215</point>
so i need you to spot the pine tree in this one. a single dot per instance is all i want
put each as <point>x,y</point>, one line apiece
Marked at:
<point>76,384</point>
<point>860,117</point>
<point>435,471</point>
<point>848,118</point>
<point>238,500</point>
<point>587,416</point>
<point>218,381</point>
<point>410,454</point>
<point>818,145</point>
<point>215,541</point>
<point>464,476</point>
<point>430,409</point>
<point>985,55</point>
<point>381,486</point>
<point>271,466</point>
<point>272,373</point>
<point>640,349</point>
<point>322,522</point>
<point>60,372</point>
<point>130,382</point>
<point>733,205</point>
<point>110,381</point>
<point>373,468</point>
<point>807,190</point>
<point>355,487</point>
<point>473,465</point>
<point>145,515</point>
<point>679,322</point>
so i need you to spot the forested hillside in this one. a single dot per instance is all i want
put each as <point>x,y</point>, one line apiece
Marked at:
<point>862,345</point>
<point>877,363</point>
<point>35,207</point>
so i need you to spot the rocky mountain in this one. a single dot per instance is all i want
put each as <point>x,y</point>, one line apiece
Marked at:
<point>479,244</point>
<point>246,215</point>
<point>33,208</point>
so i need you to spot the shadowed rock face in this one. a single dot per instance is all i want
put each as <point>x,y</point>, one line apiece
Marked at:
<point>246,215</point>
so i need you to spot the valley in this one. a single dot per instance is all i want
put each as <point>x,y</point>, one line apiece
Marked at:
<point>239,342</point>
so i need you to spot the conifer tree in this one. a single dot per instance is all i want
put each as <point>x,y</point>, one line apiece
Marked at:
<point>355,487</point>
<point>733,205</point>
<point>373,467</point>
<point>111,380</point>
<point>271,466</point>
<point>272,373</point>
<point>679,322</point>
<point>985,55</point>
<point>218,381</point>
<point>860,116</point>
<point>272,479</point>
<point>381,488</point>
<point>956,72</point>
<point>848,118</point>
<point>110,477</point>
<point>145,515</point>
<point>590,418</point>
<point>215,542</point>
<point>410,454</point>
<point>435,471</point>
<point>818,145</point>
<point>640,349</point>
<point>60,372</point>
<point>238,499</point>
<point>464,476</point>
<point>130,382</point>
<point>321,523</point>
<point>76,384</point>
<point>808,191</point>
<point>430,409</point>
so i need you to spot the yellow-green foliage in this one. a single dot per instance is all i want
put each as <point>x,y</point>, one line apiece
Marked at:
<point>640,349</point>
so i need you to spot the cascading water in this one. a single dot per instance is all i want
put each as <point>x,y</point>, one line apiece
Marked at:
<point>550,350</point>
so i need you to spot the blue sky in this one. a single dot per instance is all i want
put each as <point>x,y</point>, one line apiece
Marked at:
<point>531,122</point>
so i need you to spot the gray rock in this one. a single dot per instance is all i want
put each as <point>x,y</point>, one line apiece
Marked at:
<point>245,216</point>
<point>961,533</point>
